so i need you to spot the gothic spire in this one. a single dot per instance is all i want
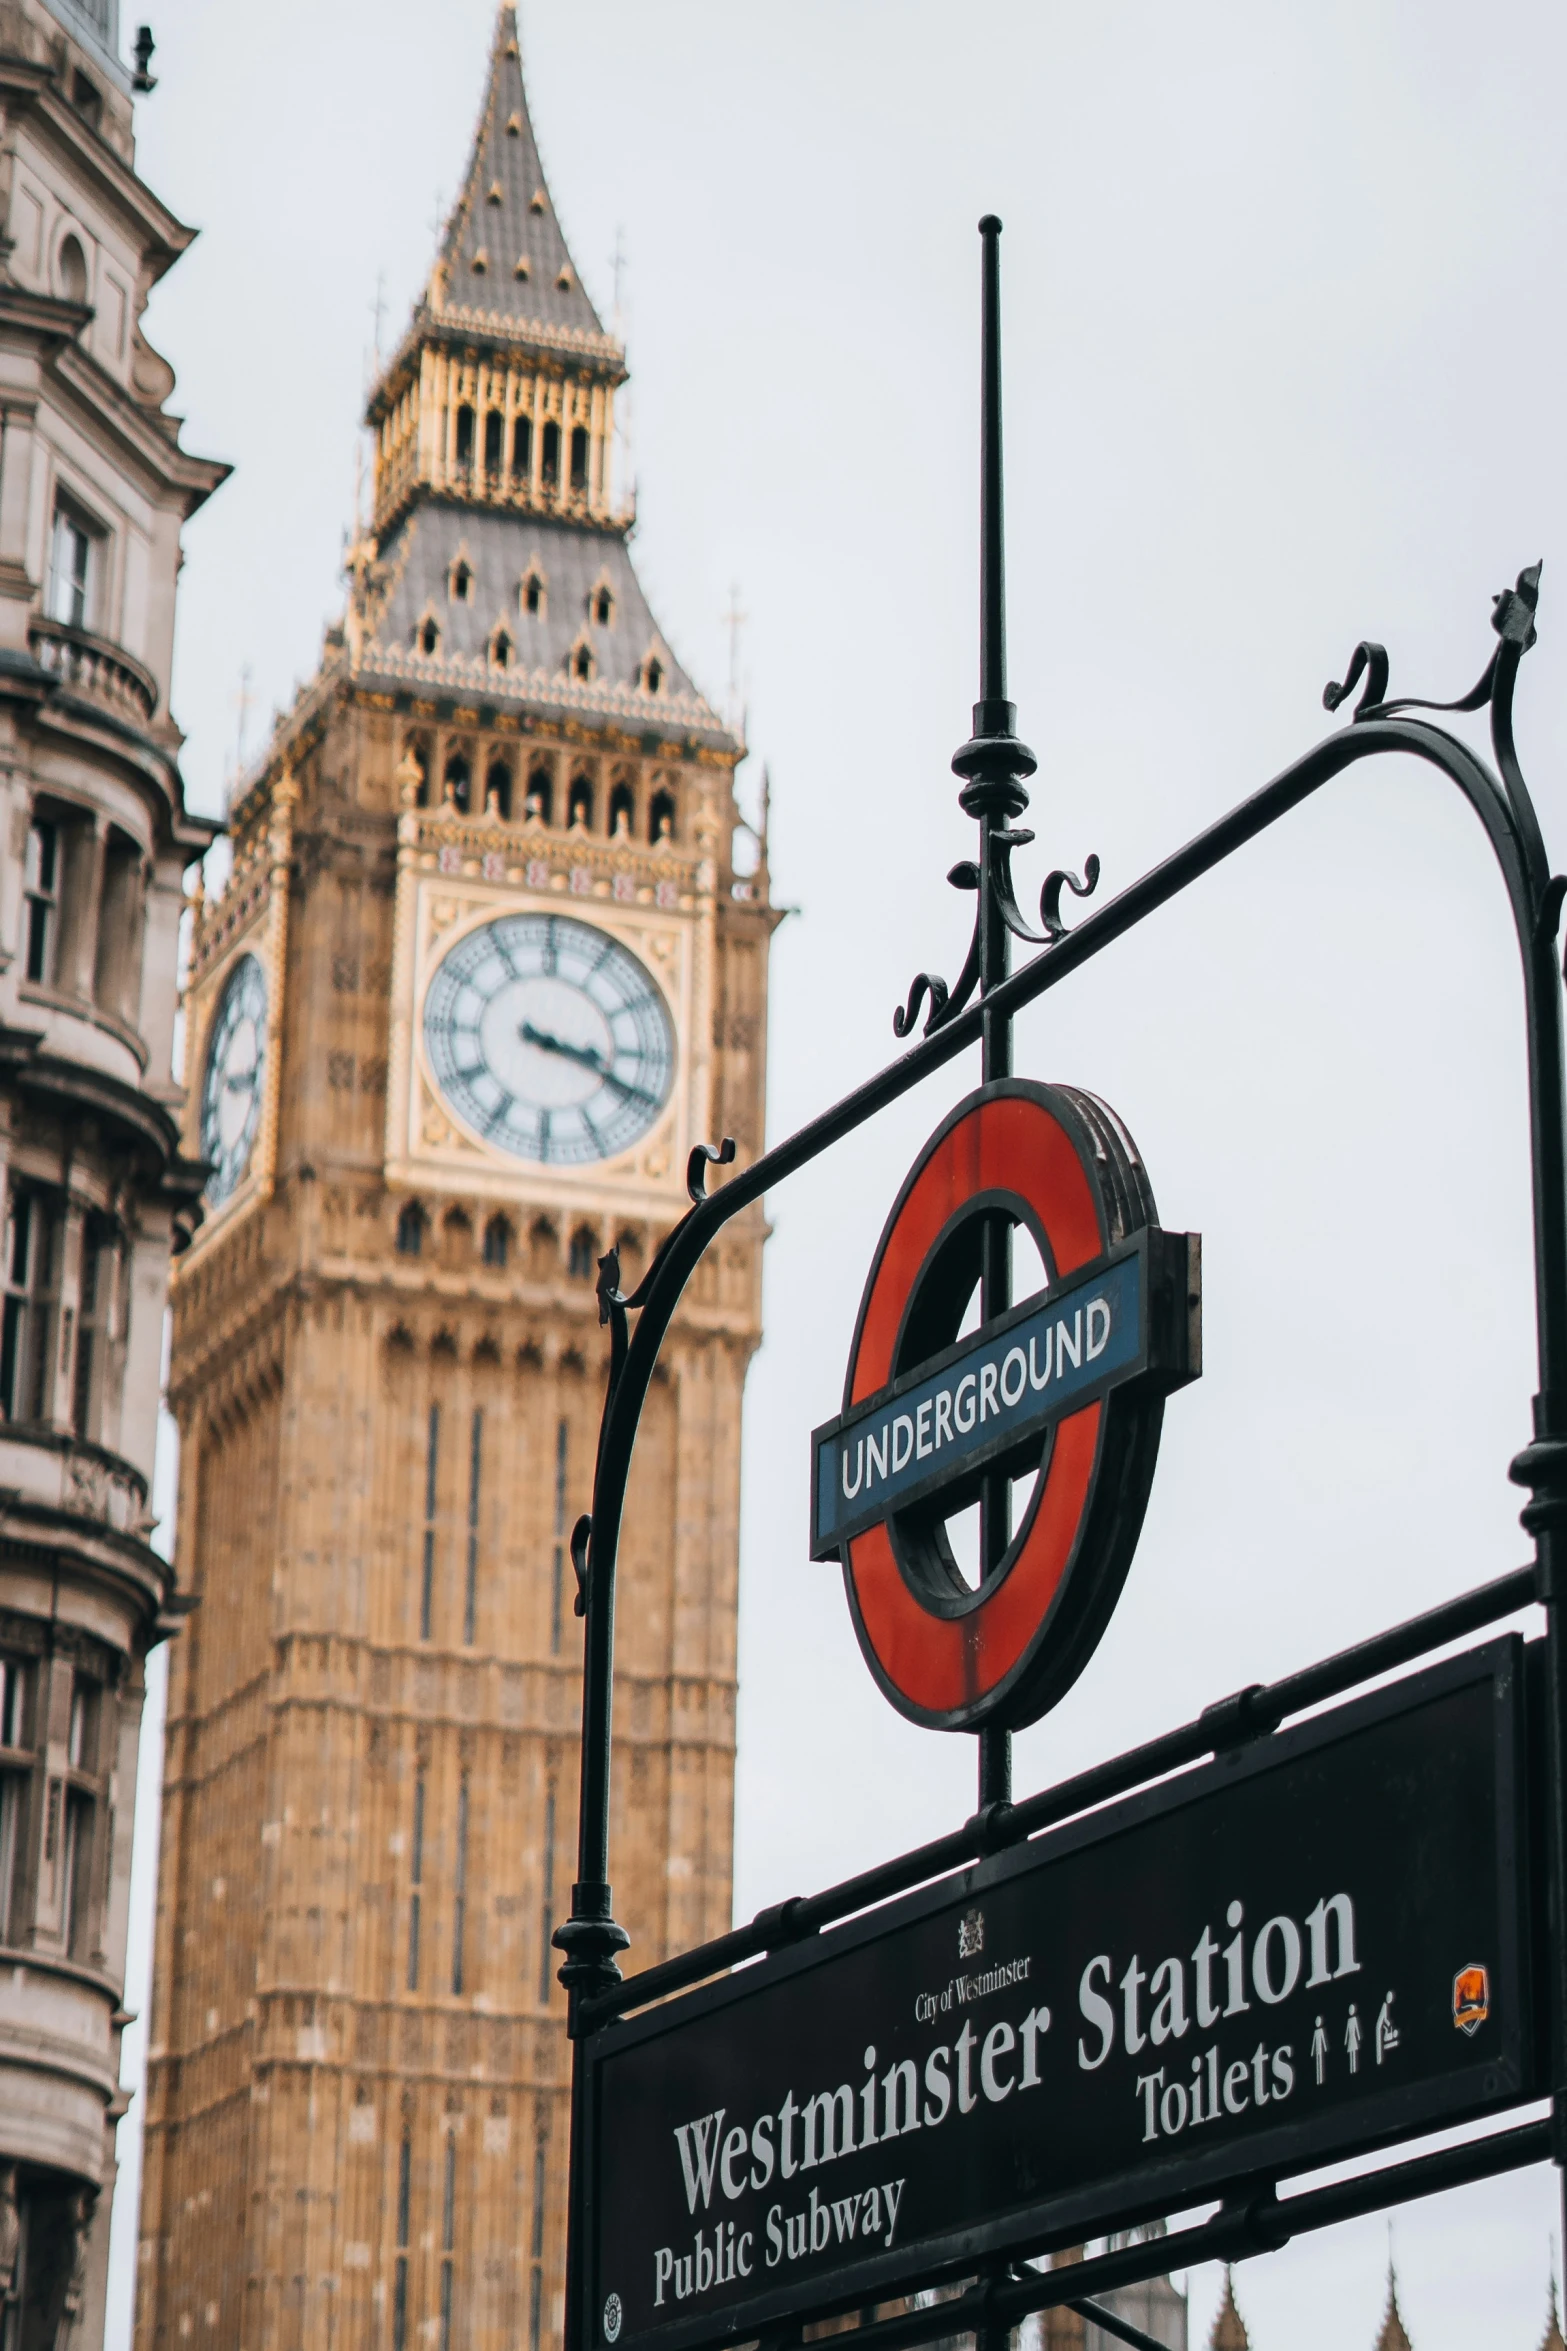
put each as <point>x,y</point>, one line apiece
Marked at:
<point>503,257</point>
<point>1393,2336</point>
<point>1551,2340</point>
<point>1229,2328</point>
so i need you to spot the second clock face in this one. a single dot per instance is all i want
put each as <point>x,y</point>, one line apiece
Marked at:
<point>232,1080</point>
<point>549,1039</point>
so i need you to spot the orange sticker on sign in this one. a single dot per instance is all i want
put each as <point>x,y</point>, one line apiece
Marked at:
<point>1471,1999</point>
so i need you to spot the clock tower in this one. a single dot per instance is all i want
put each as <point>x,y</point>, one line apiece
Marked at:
<point>482,973</point>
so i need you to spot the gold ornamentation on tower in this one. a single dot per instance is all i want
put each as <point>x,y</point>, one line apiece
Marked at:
<point>483,972</point>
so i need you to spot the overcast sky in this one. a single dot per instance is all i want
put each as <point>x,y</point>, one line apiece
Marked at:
<point>1284,309</point>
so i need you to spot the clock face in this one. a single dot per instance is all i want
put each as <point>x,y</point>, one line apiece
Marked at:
<point>549,1039</point>
<point>231,1083</point>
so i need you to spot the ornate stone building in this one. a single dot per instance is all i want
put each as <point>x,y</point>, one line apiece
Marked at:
<point>95,839</point>
<point>484,971</point>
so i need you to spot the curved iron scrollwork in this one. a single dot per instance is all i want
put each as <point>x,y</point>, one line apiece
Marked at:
<point>993,881</point>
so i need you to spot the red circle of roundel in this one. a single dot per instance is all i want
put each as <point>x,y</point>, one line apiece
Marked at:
<point>1061,1163</point>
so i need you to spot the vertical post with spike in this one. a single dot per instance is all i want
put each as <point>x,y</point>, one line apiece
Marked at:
<point>993,764</point>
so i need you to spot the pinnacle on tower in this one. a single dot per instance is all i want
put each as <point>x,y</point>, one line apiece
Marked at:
<point>1229,2328</point>
<point>1393,2336</point>
<point>503,254</point>
<point>1551,2340</point>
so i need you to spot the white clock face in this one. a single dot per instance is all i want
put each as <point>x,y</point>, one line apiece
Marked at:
<point>549,1039</point>
<point>231,1082</point>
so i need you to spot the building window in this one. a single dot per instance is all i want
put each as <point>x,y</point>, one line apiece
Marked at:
<point>448,2240</point>
<point>661,817</point>
<point>95,1326</point>
<point>76,1873</point>
<point>41,886</point>
<point>464,439</point>
<point>579,457</point>
<point>602,607</point>
<point>497,789</point>
<point>70,567</point>
<point>533,595</point>
<point>494,444</point>
<point>622,813</point>
<point>558,1585</point>
<point>429,642</point>
<point>415,1883</point>
<point>410,1230</point>
<point>522,449</point>
<point>475,1471</point>
<point>15,1778</point>
<point>117,958</point>
<point>541,795</point>
<point>653,674</point>
<point>536,2278</point>
<point>432,1457</point>
<point>497,1243</point>
<point>500,649</point>
<point>27,1319</point>
<point>549,471</point>
<point>584,1251</point>
<point>454,790</point>
<point>460,1887</point>
<point>581,663</point>
<point>579,809</point>
<point>400,2272</point>
<point>462,582</point>
<point>547,1902</point>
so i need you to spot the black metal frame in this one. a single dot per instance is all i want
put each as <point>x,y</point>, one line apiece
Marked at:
<point>980,1009</point>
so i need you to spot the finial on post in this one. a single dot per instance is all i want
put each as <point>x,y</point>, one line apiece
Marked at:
<point>993,761</point>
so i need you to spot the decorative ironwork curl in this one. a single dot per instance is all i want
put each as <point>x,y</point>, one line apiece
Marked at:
<point>1512,617</point>
<point>1055,883</point>
<point>580,1535</point>
<point>701,1159</point>
<point>946,1003</point>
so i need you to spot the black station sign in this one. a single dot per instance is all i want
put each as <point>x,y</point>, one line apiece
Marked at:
<point>1315,1946</point>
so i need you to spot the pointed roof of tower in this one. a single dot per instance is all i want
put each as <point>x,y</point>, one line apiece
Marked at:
<point>1393,2336</point>
<point>1551,2340</point>
<point>1229,2328</point>
<point>503,256</point>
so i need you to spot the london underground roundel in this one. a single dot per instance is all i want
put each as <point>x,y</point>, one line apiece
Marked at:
<point>1064,1389</point>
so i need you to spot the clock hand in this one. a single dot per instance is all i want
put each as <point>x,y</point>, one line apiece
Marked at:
<point>588,1055</point>
<point>633,1093</point>
<point>590,1058</point>
<point>243,1084</point>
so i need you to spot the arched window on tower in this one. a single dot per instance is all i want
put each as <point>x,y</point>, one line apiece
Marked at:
<point>522,449</point>
<point>579,457</point>
<point>661,817</point>
<point>497,1243</point>
<point>410,1230</point>
<point>465,439</point>
<point>549,470</point>
<point>622,812</point>
<point>541,795</point>
<point>581,663</point>
<point>462,581</point>
<point>584,1254</point>
<point>534,594</point>
<point>580,806</point>
<point>501,649</point>
<point>429,634</point>
<point>497,790</point>
<point>456,781</point>
<point>653,674</point>
<point>602,606</point>
<point>419,753</point>
<point>494,446</point>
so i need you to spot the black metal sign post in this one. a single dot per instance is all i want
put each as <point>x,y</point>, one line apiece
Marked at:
<point>1396,1937</point>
